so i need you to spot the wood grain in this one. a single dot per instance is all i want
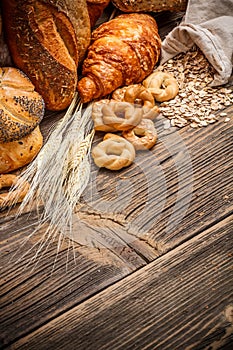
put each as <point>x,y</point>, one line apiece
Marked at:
<point>171,207</point>
<point>112,240</point>
<point>36,288</point>
<point>176,190</point>
<point>182,300</point>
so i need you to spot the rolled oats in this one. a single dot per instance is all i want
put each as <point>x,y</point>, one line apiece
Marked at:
<point>197,102</point>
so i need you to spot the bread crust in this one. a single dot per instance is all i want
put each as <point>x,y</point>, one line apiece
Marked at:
<point>16,154</point>
<point>124,51</point>
<point>95,9</point>
<point>21,107</point>
<point>47,39</point>
<point>150,5</point>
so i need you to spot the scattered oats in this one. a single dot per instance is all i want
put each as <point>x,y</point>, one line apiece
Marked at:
<point>194,125</point>
<point>213,116</point>
<point>196,101</point>
<point>203,123</point>
<point>167,124</point>
<point>173,123</point>
<point>227,119</point>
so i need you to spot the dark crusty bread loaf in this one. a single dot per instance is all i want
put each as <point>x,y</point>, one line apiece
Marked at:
<point>150,5</point>
<point>47,39</point>
<point>21,107</point>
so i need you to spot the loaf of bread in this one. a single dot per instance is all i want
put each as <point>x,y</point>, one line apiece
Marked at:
<point>95,9</point>
<point>16,154</point>
<point>21,107</point>
<point>150,5</point>
<point>47,40</point>
<point>123,51</point>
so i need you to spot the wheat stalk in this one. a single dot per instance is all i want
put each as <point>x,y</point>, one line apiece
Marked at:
<point>59,174</point>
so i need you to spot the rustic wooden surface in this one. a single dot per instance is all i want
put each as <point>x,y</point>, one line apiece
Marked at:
<point>151,266</point>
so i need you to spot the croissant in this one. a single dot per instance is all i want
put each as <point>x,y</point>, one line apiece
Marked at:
<point>123,51</point>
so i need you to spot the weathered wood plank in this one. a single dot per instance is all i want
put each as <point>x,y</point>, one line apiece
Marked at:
<point>113,226</point>
<point>183,300</point>
<point>174,182</point>
<point>170,194</point>
<point>34,289</point>
<point>176,190</point>
<point>124,219</point>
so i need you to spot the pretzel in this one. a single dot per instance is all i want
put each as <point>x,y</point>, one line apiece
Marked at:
<point>163,86</point>
<point>138,94</point>
<point>119,93</point>
<point>143,136</point>
<point>113,153</point>
<point>121,115</point>
<point>97,116</point>
<point>14,195</point>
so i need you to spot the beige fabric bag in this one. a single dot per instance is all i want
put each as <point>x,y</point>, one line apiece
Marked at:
<point>209,25</point>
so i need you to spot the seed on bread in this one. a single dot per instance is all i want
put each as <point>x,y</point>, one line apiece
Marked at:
<point>21,107</point>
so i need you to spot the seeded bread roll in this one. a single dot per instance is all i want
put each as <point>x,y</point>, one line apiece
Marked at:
<point>47,40</point>
<point>150,5</point>
<point>16,154</point>
<point>21,107</point>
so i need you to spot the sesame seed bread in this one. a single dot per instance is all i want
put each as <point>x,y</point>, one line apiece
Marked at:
<point>21,107</point>
<point>16,154</point>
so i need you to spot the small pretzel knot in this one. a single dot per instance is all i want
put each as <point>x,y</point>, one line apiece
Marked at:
<point>138,95</point>
<point>15,194</point>
<point>97,116</point>
<point>143,136</point>
<point>163,86</point>
<point>121,115</point>
<point>113,153</point>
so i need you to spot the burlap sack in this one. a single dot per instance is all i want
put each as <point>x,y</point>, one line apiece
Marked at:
<point>209,25</point>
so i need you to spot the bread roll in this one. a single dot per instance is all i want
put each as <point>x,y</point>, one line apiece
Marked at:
<point>21,107</point>
<point>47,39</point>
<point>14,155</point>
<point>124,51</point>
<point>150,5</point>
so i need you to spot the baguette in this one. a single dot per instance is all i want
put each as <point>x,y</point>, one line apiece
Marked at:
<point>47,40</point>
<point>150,5</point>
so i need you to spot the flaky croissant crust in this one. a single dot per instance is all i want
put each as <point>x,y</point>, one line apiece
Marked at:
<point>124,51</point>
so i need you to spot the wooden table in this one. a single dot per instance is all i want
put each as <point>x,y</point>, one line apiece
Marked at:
<point>153,266</point>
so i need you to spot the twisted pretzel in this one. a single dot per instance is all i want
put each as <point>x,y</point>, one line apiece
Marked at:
<point>138,94</point>
<point>113,153</point>
<point>143,136</point>
<point>14,195</point>
<point>163,86</point>
<point>97,116</point>
<point>121,115</point>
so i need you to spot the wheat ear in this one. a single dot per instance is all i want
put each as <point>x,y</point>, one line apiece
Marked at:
<point>60,172</point>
